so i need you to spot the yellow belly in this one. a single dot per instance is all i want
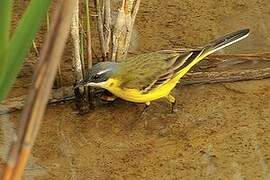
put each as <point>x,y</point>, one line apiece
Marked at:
<point>134,95</point>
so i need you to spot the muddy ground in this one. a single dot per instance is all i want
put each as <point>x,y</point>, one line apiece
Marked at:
<point>219,131</point>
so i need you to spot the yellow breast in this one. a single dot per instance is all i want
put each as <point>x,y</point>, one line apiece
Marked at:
<point>135,95</point>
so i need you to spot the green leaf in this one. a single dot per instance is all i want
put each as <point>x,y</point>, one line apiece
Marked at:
<point>21,41</point>
<point>5,16</point>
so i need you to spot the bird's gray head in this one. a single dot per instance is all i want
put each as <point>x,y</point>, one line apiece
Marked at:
<point>99,73</point>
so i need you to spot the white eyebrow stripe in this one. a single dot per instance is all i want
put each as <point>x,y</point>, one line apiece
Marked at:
<point>103,71</point>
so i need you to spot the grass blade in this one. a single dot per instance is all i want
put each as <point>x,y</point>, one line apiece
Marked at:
<point>21,41</point>
<point>5,16</point>
<point>44,75</point>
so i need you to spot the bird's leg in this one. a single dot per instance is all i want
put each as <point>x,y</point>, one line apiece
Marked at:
<point>172,100</point>
<point>147,104</point>
<point>140,114</point>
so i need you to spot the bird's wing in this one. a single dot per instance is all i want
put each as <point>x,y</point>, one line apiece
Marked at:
<point>174,67</point>
<point>148,71</point>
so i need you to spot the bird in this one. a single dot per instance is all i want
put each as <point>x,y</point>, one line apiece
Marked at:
<point>150,76</point>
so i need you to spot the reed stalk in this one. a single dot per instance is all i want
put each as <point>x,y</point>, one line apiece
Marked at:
<point>122,30</point>
<point>13,49</point>
<point>39,92</point>
<point>88,32</point>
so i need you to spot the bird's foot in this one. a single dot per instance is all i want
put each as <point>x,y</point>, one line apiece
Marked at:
<point>172,107</point>
<point>172,100</point>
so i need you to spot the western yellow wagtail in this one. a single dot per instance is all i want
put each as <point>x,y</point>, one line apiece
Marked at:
<point>150,76</point>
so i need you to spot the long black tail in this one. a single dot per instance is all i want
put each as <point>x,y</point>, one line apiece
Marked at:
<point>224,41</point>
<point>197,55</point>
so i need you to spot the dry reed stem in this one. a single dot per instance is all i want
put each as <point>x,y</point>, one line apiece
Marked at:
<point>89,47</point>
<point>122,31</point>
<point>118,35</point>
<point>39,93</point>
<point>75,34</point>
<point>59,77</point>
<point>81,46</point>
<point>107,26</point>
<point>225,76</point>
<point>88,32</point>
<point>101,28</point>
<point>245,57</point>
<point>35,48</point>
<point>78,60</point>
<point>131,25</point>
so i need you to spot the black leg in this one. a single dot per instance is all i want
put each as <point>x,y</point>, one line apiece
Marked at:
<point>172,100</point>
<point>145,108</point>
<point>172,106</point>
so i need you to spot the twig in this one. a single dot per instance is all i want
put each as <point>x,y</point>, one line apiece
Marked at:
<point>57,96</point>
<point>100,29</point>
<point>89,49</point>
<point>48,21</point>
<point>245,57</point>
<point>107,26</point>
<point>39,93</point>
<point>81,46</point>
<point>78,61</point>
<point>226,76</point>
<point>88,32</point>
<point>131,24</point>
<point>59,78</point>
<point>119,32</point>
<point>35,48</point>
<point>123,29</point>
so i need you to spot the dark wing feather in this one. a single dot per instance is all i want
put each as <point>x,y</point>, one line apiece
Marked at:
<point>172,69</point>
<point>148,71</point>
